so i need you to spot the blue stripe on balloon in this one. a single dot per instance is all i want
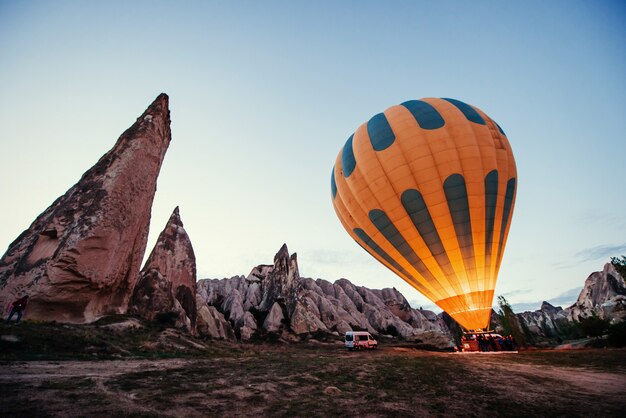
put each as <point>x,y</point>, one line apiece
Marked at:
<point>371,244</point>
<point>416,208</point>
<point>491,200</point>
<point>382,222</point>
<point>348,162</point>
<point>456,194</point>
<point>333,184</point>
<point>470,113</point>
<point>506,214</point>
<point>380,132</point>
<point>425,114</point>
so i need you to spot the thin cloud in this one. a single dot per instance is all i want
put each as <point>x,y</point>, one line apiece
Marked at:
<point>601,251</point>
<point>564,300</point>
<point>517,292</point>
<point>332,257</point>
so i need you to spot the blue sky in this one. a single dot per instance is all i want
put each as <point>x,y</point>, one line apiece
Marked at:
<point>264,94</point>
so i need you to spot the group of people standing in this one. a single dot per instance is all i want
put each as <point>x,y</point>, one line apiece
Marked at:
<point>496,342</point>
<point>488,342</point>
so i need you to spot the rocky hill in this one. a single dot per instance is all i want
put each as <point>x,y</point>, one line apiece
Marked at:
<point>275,300</point>
<point>603,295</point>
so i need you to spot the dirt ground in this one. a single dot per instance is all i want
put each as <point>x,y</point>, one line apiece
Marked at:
<point>307,380</point>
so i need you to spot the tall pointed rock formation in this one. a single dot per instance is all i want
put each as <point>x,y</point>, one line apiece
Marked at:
<point>80,259</point>
<point>167,282</point>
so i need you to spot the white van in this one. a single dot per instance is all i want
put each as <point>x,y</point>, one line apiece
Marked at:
<point>356,340</point>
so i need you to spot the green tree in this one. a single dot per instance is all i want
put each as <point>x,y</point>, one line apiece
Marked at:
<point>620,265</point>
<point>454,327</point>
<point>594,326</point>
<point>511,323</point>
<point>617,334</point>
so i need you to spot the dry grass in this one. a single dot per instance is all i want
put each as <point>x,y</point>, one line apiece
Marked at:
<point>276,380</point>
<point>286,381</point>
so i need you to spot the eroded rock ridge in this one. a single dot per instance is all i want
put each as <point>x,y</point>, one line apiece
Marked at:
<point>79,259</point>
<point>275,300</point>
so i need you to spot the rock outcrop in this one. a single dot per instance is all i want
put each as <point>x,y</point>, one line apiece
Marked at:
<point>274,299</point>
<point>546,321</point>
<point>604,296</point>
<point>167,282</point>
<point>80,258</point>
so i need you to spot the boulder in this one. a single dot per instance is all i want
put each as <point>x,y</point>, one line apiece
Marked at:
<point>306,317</point>
<point>249,327</point>
<point>211,323</point>
<point>274,320</point>
<point>80,259</point>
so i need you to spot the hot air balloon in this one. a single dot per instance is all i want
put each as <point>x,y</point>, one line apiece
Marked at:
<point>428,188</point>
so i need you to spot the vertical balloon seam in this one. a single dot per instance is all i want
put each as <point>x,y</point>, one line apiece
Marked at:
<point>474,286</point>
<point>503,148</point>
<point>506,163</point>
<point>455,286</point>
<point>470,274</point>
<point>398,192</point>
<point>490,275</point>
<point>482,282</point>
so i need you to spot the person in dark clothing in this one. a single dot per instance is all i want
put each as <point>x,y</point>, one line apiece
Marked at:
<point>18,308</point>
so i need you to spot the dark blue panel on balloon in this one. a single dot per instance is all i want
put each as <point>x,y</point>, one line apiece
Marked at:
<point>506,214</point>
<point>491,199</point>
<point>417,210</point>
<point>380,132</point>
<point>376,248</point>
<point>470,113</point>
<point>391,233</point>
<point>426,115</point>
<point>347,158</point>
<point>333,185</point>
<point>456,195</point>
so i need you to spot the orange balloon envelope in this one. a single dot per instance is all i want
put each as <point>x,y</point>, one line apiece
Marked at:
<point>428,188</point>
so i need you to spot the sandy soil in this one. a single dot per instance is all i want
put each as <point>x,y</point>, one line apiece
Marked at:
<point>292,381</point>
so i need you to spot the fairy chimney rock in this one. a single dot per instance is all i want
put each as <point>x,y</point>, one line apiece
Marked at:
<point>167,282</point>
<point>80,259</point>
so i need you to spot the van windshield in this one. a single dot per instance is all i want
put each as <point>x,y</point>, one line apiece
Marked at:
<point>349,337</point>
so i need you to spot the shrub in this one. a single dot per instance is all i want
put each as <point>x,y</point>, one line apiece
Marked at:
<point>617,335</point>
<point>594,326</point>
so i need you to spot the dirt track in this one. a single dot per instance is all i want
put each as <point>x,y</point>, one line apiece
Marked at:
<point>295,381</point>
